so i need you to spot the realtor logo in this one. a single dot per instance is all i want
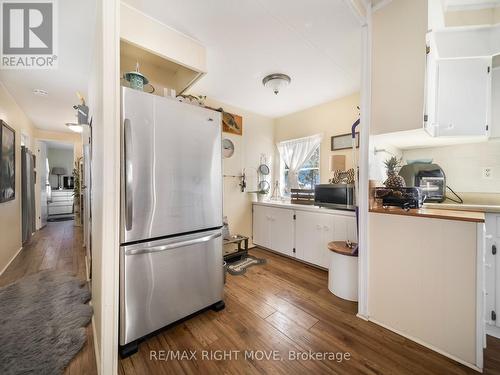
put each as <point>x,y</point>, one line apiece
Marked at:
<point>28,34</point>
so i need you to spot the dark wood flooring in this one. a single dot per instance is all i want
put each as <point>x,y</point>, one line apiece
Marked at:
<point>286,306</point>
<point>57,246</point>
<point>283,306</point>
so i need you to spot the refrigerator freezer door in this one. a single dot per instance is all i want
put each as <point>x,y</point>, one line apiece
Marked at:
<point>171,167</point>
<point>166,280</point>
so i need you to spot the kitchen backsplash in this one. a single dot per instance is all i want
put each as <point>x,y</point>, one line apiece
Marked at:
<point>464,164</point>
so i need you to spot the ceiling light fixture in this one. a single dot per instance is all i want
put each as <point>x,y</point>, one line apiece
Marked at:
<point>276,81</point>
<point>40,92</point>
<point>74,127</point>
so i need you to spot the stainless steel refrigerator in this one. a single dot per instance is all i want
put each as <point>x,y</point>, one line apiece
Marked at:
<point>171,213</point>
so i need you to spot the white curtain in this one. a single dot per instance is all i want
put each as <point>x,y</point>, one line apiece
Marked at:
<point>295,153</point>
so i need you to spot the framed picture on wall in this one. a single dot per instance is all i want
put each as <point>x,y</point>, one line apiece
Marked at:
<point>343,141</point>
<point>7,163</point>
<point>232,123</point>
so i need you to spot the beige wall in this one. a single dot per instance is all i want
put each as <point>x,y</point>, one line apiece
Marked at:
<point>257,140</point>
<point>422,281</point>
<point>329,119</point>
<point>471,17</point>
<point>398,69</point>
<point>10,212</point>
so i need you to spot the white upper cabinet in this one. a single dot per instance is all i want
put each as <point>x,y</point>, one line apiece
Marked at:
<point>495,99</point>
<point>458,96</point>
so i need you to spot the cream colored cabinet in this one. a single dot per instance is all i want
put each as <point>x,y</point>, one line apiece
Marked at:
<point>301,233</point>
<point>313,231</point>
<point>273,228</point>
<point>492,274</point>
<point>261,226</point>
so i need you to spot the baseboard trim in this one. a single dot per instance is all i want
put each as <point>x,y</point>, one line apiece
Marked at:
<point>493,331</point>
<point>423,343</point>
<point>11,260</point>
<point>363,317</point>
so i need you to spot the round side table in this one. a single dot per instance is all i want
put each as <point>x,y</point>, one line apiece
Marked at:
<point>343,271</point>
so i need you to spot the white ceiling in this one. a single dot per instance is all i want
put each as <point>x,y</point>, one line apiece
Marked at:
<point>316,42</point>
<point>76,23</point>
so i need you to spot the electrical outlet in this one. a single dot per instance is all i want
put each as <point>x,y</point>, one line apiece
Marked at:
<point>487,173</point>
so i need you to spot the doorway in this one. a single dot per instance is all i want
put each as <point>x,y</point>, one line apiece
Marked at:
<point>56,181</point>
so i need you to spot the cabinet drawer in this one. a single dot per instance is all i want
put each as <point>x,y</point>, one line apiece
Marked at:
<point>58,210</point>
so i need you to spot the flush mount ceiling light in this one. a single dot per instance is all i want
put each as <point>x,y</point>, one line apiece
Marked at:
<point>40,92</point>
<point>276,81</point>
<point>74,127</point>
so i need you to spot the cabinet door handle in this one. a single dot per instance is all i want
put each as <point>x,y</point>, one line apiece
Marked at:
<point>326,228</point>
<point>128,174</point>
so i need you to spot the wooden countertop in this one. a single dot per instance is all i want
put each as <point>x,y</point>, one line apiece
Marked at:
<point>434,213</point>
<point>490,208</point>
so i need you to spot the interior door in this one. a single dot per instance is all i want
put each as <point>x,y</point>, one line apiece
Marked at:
<point>173,167</point>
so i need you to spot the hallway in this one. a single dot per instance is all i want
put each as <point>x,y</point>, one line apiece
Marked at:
<point>57,246</point>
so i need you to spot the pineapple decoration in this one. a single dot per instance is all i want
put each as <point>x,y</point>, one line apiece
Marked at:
<point>394,180</point>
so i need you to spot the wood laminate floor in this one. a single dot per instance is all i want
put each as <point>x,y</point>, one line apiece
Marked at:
<point>285,306</point>
<point>57,246</point>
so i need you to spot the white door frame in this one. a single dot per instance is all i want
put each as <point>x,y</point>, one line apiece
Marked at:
<point>105,106</point>
<point>362,10</point>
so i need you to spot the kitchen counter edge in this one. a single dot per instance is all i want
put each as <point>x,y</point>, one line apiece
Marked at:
<point>434,213</point>
<point>304,207</point>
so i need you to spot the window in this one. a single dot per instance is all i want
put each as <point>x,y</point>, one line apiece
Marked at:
<point>308,174</point>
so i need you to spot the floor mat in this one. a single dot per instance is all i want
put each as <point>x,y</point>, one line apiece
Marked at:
<point>42,320</point>
<point>240,267</point>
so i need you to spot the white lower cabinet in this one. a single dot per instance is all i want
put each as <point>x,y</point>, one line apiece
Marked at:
<point>302,234</point>
<point>273,228</point>
<point>492,274</point>
<point>313,231</point>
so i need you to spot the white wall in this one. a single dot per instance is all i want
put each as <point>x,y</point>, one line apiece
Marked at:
<point>257,140</point>
<point>10,212</point>
<point>59,157</point>
<point>104,108</point>
<point>463,165</point>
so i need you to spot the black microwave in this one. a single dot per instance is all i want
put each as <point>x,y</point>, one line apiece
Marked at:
<point>334,195</point>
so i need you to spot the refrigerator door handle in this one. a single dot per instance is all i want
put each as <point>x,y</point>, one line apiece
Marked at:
<point>174,245</point>
<point>128,174</point>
